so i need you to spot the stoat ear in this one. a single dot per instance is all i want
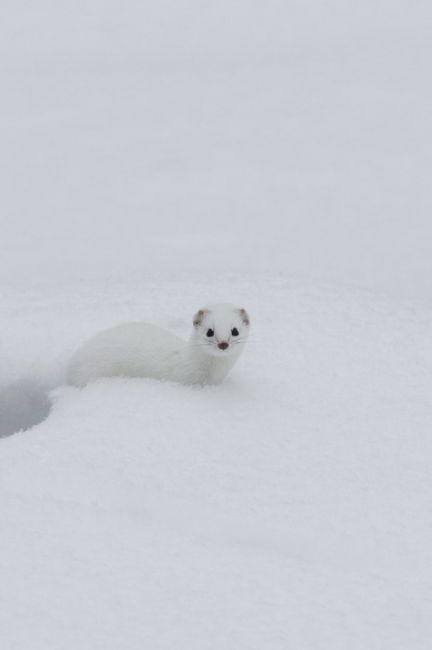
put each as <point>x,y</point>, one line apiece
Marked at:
<point>244,316</point>
<point>199,317</point>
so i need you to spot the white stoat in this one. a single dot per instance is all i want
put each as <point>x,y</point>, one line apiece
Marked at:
<point>142,350</point>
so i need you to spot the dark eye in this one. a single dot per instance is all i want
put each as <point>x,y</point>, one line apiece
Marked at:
<point>234,331</point>
<point>210,333</point>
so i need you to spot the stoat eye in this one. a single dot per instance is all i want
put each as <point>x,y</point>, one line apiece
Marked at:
<point>210,333</point>
<point>234,331</point>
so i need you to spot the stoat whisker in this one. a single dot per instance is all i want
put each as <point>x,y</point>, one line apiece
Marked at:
<point>236,342</point>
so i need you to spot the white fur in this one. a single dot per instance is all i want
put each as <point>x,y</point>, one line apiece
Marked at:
<point>143,350</point>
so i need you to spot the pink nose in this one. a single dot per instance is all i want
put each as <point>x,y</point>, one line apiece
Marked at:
<point>223,345</point>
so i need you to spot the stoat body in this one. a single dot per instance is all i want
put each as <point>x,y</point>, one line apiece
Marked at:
<point>143,350</point>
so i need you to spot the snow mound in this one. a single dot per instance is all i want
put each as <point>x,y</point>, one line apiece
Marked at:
<point>288,507</point>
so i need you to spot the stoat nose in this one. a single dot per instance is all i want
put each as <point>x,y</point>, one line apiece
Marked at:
<point>223,345</point>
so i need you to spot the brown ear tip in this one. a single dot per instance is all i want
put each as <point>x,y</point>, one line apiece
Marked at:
<point>245,316</point>
<point>198,318</point>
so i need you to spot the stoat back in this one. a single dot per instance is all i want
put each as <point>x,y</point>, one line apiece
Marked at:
<point>129,350</point>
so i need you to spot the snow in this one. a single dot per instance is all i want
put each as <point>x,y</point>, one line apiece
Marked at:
<point>160,157</point>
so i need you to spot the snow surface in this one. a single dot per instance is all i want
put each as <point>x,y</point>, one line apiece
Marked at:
<point>157,157</point>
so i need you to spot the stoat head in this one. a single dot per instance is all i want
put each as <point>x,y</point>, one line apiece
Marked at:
<point>221,330</point>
